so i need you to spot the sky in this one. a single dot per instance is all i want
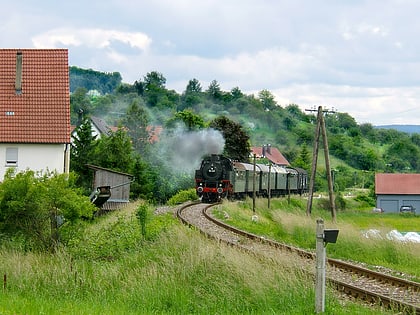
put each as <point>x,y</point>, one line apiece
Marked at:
<point>352,56</point>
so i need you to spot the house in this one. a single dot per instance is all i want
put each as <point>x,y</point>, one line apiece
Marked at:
<point>34,110</point>
<point>271,153</point>
<point>100,127</point>
<point>394,191</point>
<point>118,183</point>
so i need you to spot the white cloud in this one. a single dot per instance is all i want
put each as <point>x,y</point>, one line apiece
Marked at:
<point>92,38</point>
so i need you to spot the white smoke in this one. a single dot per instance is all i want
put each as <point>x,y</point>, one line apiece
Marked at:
<point>185,149</point>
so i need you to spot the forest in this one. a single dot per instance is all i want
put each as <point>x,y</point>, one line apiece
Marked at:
<point>357,150</point>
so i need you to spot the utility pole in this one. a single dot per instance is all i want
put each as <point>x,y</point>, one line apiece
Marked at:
<point>320,128</point>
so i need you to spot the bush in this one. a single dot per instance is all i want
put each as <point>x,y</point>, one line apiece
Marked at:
<point>33,206</point>
<point>183,196</point>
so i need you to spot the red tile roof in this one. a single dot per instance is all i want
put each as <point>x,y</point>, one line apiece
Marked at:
<point>154,132</point>
<point>272,154</point>
<point>397,184</point>
<point>41,113</point>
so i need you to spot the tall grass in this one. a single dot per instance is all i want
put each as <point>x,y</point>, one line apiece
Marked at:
<point>176,271</point>
<point>288,222</point>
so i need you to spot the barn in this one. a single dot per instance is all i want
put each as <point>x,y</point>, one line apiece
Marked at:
<point>394,191</point>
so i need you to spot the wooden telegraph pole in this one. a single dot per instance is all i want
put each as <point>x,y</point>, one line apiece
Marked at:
<point>320,128</point>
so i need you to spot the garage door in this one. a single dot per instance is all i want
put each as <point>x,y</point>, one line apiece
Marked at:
<point>389,205</point>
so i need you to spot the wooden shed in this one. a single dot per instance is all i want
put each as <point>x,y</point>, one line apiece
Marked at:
<point>118,182</point>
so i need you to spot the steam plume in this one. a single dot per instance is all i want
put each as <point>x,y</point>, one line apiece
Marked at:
<point>185,149</point>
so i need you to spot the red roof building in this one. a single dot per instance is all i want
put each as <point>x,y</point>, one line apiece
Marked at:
<point>34,108</point>
<point>397,184</point>
<point>271,153</point>
<point>394,191</point>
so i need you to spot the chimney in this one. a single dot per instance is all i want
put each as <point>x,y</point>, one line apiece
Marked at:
<point>269,148</point>
<point>18,83</point>
<point>263,151</point>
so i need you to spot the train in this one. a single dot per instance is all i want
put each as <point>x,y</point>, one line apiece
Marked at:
<point>220,177</point>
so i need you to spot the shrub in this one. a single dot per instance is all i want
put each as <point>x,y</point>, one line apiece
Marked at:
<point>32,206</point>
<point>183,196</point>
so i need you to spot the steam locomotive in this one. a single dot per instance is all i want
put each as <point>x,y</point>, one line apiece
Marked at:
<point>219,177</point>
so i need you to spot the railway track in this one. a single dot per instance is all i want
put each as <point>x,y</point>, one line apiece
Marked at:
<point>372,287</point>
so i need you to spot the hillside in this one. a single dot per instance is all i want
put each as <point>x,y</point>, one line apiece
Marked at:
<point>357,150</point>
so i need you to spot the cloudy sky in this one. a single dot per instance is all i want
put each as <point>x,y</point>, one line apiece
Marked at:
<point>360,57</point>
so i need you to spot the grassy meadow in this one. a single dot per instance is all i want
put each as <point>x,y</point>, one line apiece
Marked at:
<point>287,222</point>
<point>112,266</point>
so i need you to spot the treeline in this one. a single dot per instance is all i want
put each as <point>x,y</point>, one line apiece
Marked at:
<point>94,80</point>
<point>358,150</point>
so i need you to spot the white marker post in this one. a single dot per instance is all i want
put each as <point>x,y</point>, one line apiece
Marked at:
<point>320,268</point>
<point>323,237</point>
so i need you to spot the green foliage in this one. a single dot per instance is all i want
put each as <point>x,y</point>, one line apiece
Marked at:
<point>303,160</point>
<point>93,80</point>
<point>237,145</point>
<point>81,153</point>
<point>188,118</point>
<point>365,200</point>
<point>114,238</point>
<point>183,196</point>
<point>253,120</point>
<point>31,205</point>
<point>136,121</point>
<point>141,215</point>
<point>115,152</point>
<point>340,202</point>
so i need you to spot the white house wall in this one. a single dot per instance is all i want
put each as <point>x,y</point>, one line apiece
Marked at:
<point>37,157</point>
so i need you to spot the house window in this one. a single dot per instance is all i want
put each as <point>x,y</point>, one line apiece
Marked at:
<point>11,156</point>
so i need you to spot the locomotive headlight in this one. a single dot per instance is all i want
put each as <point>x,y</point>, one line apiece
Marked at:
<point>220,190</point>
<point>200,189</point>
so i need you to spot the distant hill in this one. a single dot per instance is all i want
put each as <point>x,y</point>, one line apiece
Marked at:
<point>402,128</point>
<point>94,80</point>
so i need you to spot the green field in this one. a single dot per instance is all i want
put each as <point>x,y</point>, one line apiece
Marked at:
<point>112,266</point>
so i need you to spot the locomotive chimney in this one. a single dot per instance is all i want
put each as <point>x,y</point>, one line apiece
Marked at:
<point>18,82</point>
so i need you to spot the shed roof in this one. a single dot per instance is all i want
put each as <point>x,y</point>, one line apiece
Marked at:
<point>38,112</point>
<point>397,184</point>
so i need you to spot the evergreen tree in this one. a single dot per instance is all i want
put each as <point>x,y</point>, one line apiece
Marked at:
<point>81,153</point>
<point>303,160</point>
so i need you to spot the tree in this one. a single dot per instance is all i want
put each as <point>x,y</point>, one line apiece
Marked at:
<point>191,120</point>
<point>192,94</point>
<point>136,121</point>
<point>267,99</point>
<point>303,160</point>
<point>236,93</point>
<point>237,143</point>
<point>115,152</point>
<point>214,90</point>
<point>193,86</point>
<point>81,153</point>
<point>154,80</point>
